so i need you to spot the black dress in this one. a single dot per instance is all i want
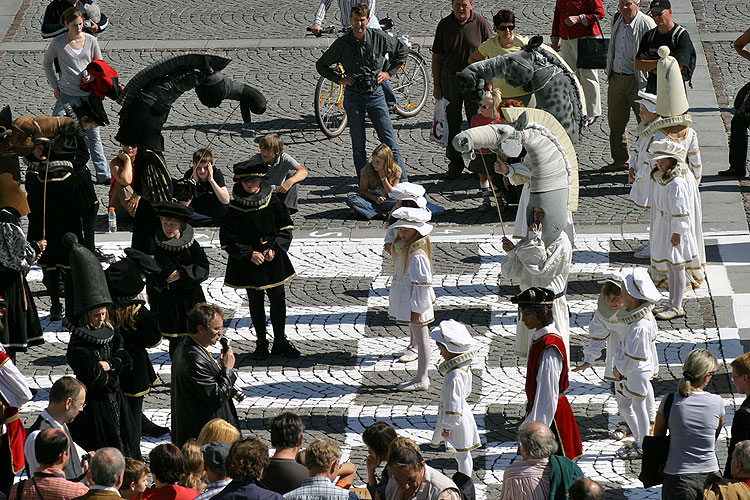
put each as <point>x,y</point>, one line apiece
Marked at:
<point>106,419</point>
<point>141,377</point>
<point>171,302</point>
<point>256,223</point>
<point>21,328</point>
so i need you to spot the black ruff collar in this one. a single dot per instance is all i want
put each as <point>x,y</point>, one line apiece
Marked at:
<point>99,336</point>
<point>245,201</point>
<point>175,244</point>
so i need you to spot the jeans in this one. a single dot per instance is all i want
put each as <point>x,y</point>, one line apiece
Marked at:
<point>101,167</point>
<point>356,105</point>
<point>367,208</point>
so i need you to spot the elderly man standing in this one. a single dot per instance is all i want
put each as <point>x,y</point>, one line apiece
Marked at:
<point>457,36</point>
<point>727,489</point>
<point>628,27</point>
<point>531,477</point>
<point>202,388</point>
<point>106,473</point>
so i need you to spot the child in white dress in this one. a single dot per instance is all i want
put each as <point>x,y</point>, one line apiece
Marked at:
<point>639,171</point>
<point>411,296</point>
<point>675,246</point>
<point>456,426</point>
<point>636,359</point>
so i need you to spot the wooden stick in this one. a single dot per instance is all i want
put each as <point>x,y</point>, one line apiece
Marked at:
<point>44,194</point>
<point>494,195</point>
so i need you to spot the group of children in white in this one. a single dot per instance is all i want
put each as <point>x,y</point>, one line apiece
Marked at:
<point>665,170</point>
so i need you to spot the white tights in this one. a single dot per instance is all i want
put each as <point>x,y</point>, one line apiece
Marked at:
<point>465,462</point>
<point>421,339</point>
<point>635,412</point>
<point>677,282</point>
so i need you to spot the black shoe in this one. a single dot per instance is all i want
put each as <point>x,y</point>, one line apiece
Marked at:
<point>56,312</point>
<point>150,429</point>
<point>285,349</point>
<point>103,257</point>
<point>451,175</point>
<point>261,351</point>
<point>730,172</point>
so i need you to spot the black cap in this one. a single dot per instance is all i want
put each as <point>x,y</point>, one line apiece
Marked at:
<point>215,455</point>
<point>124,281</point>
<point>534,296</point>
<point>145,263</point>
<point>254,167</point>
<point>94,109</point>
<point>173,210</point>
<point>659,5</point>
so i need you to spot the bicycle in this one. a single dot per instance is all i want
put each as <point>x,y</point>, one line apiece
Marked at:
<point>410,84</point>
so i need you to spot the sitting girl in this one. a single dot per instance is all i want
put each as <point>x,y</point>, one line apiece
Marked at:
<point>375,183</point>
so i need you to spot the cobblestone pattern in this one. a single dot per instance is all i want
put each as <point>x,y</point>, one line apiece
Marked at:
<point>346,377</point>
<point>287,78</point>
<point>721,15</point>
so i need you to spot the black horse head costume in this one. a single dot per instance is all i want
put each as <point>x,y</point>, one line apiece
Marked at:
<point>149,95</point>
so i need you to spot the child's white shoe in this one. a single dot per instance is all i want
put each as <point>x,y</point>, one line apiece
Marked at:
<point>407,357</point>
<point>414,385</point>
<point>643,252</point>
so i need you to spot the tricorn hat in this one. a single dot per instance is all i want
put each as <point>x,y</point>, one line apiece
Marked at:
<point>534,296</point>
<point>124,276</point>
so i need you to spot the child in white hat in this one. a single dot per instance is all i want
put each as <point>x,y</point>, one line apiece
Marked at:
<point>408,194</point>
<point>456,426</point>
<point>677,251</point>
<point>636,360</point>
<point>411,296</point>
<point>640,162</point>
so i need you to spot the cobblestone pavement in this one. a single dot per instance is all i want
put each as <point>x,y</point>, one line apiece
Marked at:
<point>346,377</point>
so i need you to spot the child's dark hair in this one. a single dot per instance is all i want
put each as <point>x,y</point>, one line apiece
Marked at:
<point>668,172</point>
<point>610,289</point>
<point>544,313</point>
<point>379,437</point>
<point>134,470</point>
<point>203,155</point>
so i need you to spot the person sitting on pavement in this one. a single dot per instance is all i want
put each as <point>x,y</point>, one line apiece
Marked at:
<point>378,438</point>
<point>284,172</point>
<point>741,420</point>
<point>134,479</point>
<point>245,463</point>
<point>531,477</point>
<point>105,475</point>
<point>214,464</point>
<point>584,488</point>
<point>283,473</point>
<point>167,465</point>
<point>376,180</point>
<point>49,483</point>
<point>95,21</point>
<point>211,195</point>
<point>322,461</point>
<point>728,489</point>
<point>410,475</point>
<point>67,397</point>
<point>121,195</point>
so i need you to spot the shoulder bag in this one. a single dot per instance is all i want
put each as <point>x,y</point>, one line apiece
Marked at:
<point>592,51</point>
<point>655,452</point>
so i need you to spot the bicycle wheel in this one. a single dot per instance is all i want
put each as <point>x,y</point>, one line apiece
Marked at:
<point>411,86</point>
<point>329,107</point>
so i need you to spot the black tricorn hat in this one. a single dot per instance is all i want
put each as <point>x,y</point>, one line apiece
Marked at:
<point>173,210</point>
<point>254,167</point>
<point>534,296</point>
<point>89,287</point>
<point>124,276</point>
<point>94,109</point>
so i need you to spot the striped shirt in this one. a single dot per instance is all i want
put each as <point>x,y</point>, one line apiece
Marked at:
<point>526,480</point>
<point>52,485</point>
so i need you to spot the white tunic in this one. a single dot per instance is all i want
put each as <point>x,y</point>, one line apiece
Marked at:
<point>454,413</point>
<point>533,264</point>
<point>636,357</point>
<point>411,289</point>
<point>690,143</point>
<point>641,163</point>
<point>603,333</point>
<point>675,208</point>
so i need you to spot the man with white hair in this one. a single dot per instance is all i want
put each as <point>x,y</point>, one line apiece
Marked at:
<point>727,489</point>
<point>628,27</point>
<point>530,478</point>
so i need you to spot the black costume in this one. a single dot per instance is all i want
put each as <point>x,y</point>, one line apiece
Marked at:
<point>106,419</point>
<point>201,391</point>
<point>171,302</point>
<point>151,181</point>
<point>51,26</point>
<point>21,328</point>
<point>256,223</point>
<point>125,286</point>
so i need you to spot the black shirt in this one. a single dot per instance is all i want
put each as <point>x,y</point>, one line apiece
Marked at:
<point>681,52</point>
<point>205,197</point>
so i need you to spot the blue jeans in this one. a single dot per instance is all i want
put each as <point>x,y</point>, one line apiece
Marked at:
<point>356,105</point>
<point>368,209</point>
<point>101,166</point>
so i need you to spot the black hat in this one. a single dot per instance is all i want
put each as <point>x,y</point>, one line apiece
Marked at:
<point>124,276</point>
<point>94,109</point>
<point>254,167</point>
<point>215,455</point>
<point>173,210</point>
<point>145,263</point>
<point>659,5</point>
<point>534,296</point>
<point>89,288</point>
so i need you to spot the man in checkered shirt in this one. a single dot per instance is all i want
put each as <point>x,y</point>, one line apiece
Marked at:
<point>322,461</point>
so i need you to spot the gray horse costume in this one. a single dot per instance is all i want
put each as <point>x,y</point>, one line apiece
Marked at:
<point>554,85</point>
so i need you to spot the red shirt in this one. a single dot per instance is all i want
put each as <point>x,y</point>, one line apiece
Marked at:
<point>170,492</point>
<point>477,121</point>
<point>593,9</point>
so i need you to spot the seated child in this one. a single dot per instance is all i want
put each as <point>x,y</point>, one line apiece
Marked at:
<point>135,479</point>
<point>121,194</point>
<point>375,183</point>
<point>211,196</point>
<point>284,172</point>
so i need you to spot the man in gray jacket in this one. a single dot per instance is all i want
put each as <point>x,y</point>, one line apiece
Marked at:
<point>628,27</point>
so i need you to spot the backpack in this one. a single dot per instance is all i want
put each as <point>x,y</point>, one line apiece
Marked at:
<point>689,68</point>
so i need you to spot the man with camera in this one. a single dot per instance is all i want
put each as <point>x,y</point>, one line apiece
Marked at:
<point>202,387</point>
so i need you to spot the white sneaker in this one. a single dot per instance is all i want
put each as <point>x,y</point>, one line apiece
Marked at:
<point>408,356</point>
<point>643,252</point>
<point>414,385</point>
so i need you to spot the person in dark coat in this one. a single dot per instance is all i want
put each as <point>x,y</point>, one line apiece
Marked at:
<point>139,328</point>
<point>184,266</point>
<point>202,388</point>
<point>51,26</point>
<point>97,357</point>
<point>245,463</point>
<point>21,328</point>
<point>256,233</point>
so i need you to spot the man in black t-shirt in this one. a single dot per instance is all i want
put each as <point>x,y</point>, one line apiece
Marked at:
<point>211,195</point>
<point>668,33</point>
<point>284,474</point>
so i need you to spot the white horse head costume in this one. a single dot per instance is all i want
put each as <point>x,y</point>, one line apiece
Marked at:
<point>553,175</point>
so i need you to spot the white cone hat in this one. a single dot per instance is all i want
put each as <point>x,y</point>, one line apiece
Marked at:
<point>671,99</point>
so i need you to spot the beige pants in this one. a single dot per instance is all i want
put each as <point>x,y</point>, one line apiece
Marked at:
<point>622,92</point>
<point>119,201</point>
<point>588,78</point>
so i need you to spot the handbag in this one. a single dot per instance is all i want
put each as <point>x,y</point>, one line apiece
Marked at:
<point>655,453</point>
<point>592,51</point>
<point>439,129</point>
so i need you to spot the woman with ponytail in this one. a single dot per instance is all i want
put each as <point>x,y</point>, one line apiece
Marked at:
<point>694,421</point>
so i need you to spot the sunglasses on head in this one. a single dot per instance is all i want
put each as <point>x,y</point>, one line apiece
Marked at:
<point>506,28</point>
